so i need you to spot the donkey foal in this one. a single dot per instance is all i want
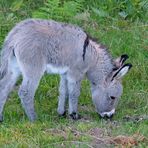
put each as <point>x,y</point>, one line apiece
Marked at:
<point>35,46</point>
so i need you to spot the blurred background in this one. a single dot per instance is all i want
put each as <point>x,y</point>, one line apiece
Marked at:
<point>112,13</point>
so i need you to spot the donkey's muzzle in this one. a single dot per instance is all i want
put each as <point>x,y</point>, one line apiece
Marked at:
<point>107,114</point>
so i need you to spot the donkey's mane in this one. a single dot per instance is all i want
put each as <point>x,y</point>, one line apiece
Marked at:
<point>104,58</point>
<point>96,40</point>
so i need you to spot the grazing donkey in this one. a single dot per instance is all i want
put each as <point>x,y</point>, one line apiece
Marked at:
<point>35,46</point>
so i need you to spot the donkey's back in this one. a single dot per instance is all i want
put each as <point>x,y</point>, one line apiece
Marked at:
<point>53,42</point>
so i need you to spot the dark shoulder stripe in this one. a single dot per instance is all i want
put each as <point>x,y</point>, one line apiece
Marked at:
<point>86,42</point>
<point>13,53</point>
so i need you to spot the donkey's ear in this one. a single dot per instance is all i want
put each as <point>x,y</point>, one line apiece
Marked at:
<point>122,71</point>
<point>120,61</point>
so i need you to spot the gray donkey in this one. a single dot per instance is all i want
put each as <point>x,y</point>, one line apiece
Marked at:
<point>36,46</point>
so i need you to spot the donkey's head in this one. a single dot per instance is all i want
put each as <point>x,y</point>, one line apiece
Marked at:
<point>106,96</point>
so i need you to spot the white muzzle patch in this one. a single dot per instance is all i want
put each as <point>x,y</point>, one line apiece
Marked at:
<point>108,114</point>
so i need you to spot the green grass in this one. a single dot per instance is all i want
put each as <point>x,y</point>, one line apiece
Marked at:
<point>121,36</point>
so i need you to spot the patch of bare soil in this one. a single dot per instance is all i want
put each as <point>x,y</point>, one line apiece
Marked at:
<point>129,141</point>
<point>101,139</point>
<point>96,132</point>
<point>118,141</point>
<point>98,138</point>
<point>57,132</point>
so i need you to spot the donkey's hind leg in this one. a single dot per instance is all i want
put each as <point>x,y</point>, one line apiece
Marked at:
<point>6,86</point>
<point>26,94</point>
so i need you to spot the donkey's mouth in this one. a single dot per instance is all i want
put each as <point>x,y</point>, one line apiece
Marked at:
<point>108,114</point>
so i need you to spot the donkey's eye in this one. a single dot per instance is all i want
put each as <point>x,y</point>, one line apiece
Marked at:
<point>112,97</point>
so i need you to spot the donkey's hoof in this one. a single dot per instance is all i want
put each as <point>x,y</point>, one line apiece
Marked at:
<point>75,116</point>
<point>63,115</point>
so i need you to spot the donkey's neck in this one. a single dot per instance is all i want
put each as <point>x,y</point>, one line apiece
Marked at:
<point>102,63</point>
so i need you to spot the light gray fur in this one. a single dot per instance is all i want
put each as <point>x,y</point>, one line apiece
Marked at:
<point>34,46</point>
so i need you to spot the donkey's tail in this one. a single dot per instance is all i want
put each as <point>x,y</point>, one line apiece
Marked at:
<point>6,54</point>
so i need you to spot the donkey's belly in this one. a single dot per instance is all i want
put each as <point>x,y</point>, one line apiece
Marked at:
<point>56,70</point>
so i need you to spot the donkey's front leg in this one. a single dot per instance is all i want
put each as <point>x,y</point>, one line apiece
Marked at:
<point>74,92</point>
<point>63,94</point>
